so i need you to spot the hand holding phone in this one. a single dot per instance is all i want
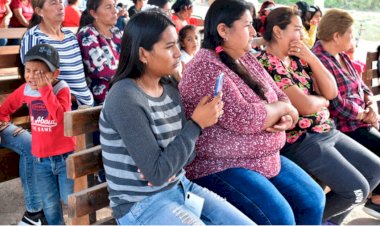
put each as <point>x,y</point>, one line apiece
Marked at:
<point>218,84</point>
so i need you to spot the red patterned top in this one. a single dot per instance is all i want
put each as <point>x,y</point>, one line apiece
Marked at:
<point>238,139</point>
<point>298,73</point>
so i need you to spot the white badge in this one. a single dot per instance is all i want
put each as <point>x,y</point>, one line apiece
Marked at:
<point>194,203</point>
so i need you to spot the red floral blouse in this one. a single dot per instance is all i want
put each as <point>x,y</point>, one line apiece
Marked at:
<point>298,73</point>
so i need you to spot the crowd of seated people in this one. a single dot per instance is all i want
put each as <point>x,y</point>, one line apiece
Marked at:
<point>287,117</point>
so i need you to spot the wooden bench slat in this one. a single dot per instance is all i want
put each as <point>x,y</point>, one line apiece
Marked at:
<point>88,201</point>
<point>84,162</point>
<point>82,121</point>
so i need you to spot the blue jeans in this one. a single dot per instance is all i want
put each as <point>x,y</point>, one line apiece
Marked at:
<point>21,144</point>
<point>54,185</point>
<point>291,197</point>
<point>168,207</point>
<point>3,41</point>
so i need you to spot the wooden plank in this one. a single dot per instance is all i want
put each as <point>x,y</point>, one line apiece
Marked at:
<point>6,50</point>
<point>9,85</point>
<point>88,201</point>
<point>85,162</point>
<point>10,56</point>
<point>15,33</point>
<point>82,121</point>
<point>8,164</point>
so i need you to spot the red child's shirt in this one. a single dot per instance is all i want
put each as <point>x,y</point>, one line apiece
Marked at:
<point>46,110</point>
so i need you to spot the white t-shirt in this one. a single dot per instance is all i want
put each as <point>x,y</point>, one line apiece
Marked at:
<point>185,57</point>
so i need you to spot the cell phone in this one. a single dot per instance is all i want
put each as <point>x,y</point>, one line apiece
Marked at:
<point>218,84</point>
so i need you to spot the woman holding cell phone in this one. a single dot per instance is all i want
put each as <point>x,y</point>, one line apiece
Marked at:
<point>146,139</point>
<point>239,157</point>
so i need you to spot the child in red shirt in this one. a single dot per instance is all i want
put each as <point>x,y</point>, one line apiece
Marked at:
<point>47,99</point>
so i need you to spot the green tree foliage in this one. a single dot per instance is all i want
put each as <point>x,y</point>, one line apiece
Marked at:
<point>372,5</point>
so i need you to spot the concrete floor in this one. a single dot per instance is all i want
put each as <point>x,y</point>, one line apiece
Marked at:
<point>12,207</point>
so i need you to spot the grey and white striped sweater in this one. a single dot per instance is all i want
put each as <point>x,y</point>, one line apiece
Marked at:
<point>145,133</point>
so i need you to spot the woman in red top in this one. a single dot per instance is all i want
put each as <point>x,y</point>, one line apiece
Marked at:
<point>182,14</point>
<point>72,14</point>
<point>5,16</point>
<point>22,13</point>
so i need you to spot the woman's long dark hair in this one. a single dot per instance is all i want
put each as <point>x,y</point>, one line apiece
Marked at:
<point>142,30</point>
<point>36,19</point>
<point>280,17</point>
<point>86,17</point>
<point>227,12</point>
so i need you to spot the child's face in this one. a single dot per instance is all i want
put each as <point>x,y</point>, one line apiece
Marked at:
<point>32,69</point>
<point>191,42</point>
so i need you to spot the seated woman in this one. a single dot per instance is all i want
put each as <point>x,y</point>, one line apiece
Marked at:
<point>239,157</point>
<point>22,13</point>
<point>146,139</point>
<point>46,27</point>
<point>309,25</point>
<point>348,168</point>
<point>136,8</point>
<point>183,9</point>
<point>5,16</point>
<point>164,5</point>
<point>72,14</point>
<point>99,40</point>
<point>265,9</point>
<point>354,110</point>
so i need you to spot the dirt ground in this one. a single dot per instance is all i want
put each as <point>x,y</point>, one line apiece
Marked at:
<point>12,207</point>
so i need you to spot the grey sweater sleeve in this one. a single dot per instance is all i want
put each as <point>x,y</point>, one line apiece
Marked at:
<point>128,112</point>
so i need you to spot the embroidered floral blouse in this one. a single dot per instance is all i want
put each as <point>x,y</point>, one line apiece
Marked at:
<point>297,74</point>
<point>100,58</point>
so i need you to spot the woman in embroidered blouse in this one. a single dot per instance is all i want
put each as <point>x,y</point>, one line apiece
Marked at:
<point>354,110</point>
<point>100,40</point>
<point>238,158</point>
<point>348,168</point>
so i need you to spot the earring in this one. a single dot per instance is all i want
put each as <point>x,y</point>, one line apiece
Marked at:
<point>225,39</point>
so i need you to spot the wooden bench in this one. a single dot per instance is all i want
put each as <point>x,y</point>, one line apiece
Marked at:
<point>17,33</point>
<point>87,160</point>
<point>371,75</point>
<point>10,80</point>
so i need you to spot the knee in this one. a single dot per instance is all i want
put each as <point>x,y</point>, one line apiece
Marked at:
<point>358,194</point>
<point>315,200</point>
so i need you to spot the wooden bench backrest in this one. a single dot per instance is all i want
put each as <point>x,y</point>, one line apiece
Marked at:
<point>85,161</point>
<point>9,81</point>
<point>371,74</point>
<point>17,33</point>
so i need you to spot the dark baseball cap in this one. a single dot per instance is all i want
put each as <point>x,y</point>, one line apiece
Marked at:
<point>46,53</point>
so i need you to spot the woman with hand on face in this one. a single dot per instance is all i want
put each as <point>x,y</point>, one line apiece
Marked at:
<point>354,110</point>
<point>146,139</point>
<point>46,27</point>
<point>100,43</point>
<point>239,157</point>
<point>349,169</point>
